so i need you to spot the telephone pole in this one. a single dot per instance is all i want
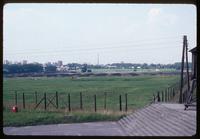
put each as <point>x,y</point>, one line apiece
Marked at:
<point>188,78</point>
<point>97,59</point>
<point>184,52</point>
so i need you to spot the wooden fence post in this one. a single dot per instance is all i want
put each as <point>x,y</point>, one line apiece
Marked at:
<point>120,102</point>
<point>15,97</point>
<point>165,95</point>
<point>162,96</point>
<point>56,100</point>
<point>95,103</point>
<point>158,95</point>
<point>154,98</point>
<point>36,97</point>
<point>69,107</point>
<point>105,95</point>
<point>168,93</point>
<point>126,105</point>
<point>45,101</point>
<point>23,101</point>
<point>81,101</point>
<point>171,92</point>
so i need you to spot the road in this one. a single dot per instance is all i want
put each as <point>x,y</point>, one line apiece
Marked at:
<point>79,129</point>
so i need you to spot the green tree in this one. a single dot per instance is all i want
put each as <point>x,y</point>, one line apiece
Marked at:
<point>50,68</point>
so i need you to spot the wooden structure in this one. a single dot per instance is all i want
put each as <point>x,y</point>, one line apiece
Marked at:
<point>194,62</point>
<point>183,75</point>
<point>190,99</point>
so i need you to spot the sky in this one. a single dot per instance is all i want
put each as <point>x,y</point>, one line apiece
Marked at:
<point>84,33</point>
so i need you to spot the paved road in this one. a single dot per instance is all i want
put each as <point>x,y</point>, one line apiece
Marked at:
<point>79,129</point>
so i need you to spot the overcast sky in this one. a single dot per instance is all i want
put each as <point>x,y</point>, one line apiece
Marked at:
<point>135,33</point>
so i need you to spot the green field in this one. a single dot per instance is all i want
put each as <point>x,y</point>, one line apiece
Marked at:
<point>139,89</point>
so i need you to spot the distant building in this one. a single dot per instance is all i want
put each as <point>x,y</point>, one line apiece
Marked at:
<point>62,68</point>
<point>110,66</point>
<point>7,62</point>
<point>60,63</point>
<point>157,70</point>
<point>24,62</point>
<point>48,64</point>
<point>36,63</point>
<point>16,62</point>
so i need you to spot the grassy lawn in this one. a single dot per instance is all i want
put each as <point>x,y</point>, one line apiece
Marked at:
<point>139,90</point>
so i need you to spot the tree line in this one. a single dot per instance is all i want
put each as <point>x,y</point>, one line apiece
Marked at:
<point>39,68</point>
<point>27,68</point>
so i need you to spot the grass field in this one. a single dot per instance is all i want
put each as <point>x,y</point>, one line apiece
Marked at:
<point>139,89</point>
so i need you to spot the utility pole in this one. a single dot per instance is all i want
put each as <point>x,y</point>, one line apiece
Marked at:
<point>184,52</point>
<point>98,59</point>
<point>182,67</point>
<point>188,79</point>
